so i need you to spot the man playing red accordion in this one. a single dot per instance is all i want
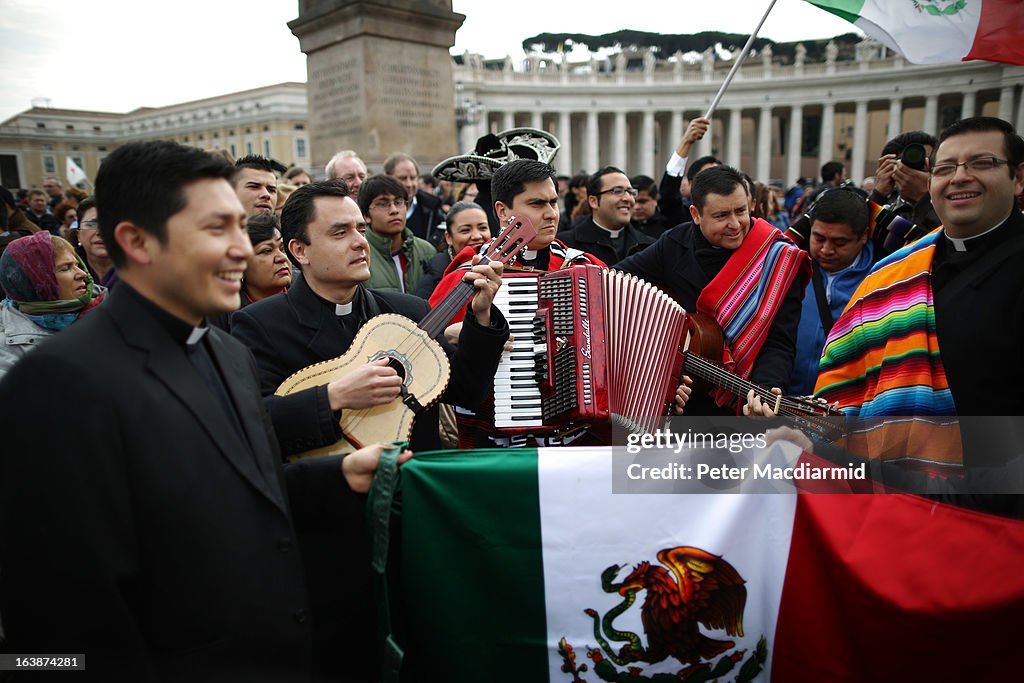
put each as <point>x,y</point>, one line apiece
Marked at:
<point>524,188</point>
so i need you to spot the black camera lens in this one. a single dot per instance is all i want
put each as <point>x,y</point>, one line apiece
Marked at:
<point>914,156</point>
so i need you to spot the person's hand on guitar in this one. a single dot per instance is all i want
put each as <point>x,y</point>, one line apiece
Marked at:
<point>683,394</point>
<point>369,385</point>
<point>486,279</point>
<point>755,407</point>
<point>360,466</point>
<point>791,435</point>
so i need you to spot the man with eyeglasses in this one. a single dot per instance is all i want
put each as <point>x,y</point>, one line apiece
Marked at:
<point>398,258</point>
<point>935,328</point>
<point>608,233</point>
<point>966,278</point>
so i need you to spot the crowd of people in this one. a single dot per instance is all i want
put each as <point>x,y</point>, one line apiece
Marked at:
<point>158,510</point>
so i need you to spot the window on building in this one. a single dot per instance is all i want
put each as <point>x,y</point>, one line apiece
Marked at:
<point>75,148</point>
<point>231,132</point>
<point>248,148</point>
<point>40,125</point>
<point>200,136</point>
<point>47,147</point>
<point>186,138</point>
<point>234,151</point>
<point>216,135</point>
<point>78,161</point>
<point>49,164</point>
<point>266,148</point>
<point>69,127</point>
<point>300,126</point>
<point>266,129</point>
<point>300,148</point>
<point>96,129</point>
<point>248,131</point>
<point>101,149</point>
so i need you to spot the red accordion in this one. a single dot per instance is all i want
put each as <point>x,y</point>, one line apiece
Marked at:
<point>590,344</point>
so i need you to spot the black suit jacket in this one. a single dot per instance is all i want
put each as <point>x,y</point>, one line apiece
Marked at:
<point>671,263</point>
<point>425,218</point>
<point>589,238</point>
<point>295,329</point>
<point>135,524</point>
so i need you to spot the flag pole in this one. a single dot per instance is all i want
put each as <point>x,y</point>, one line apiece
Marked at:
<point>738,62</point>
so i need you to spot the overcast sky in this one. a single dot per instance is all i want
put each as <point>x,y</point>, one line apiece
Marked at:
<point>118,55</point>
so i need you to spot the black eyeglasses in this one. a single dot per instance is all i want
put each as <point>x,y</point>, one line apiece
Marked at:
<point>617,192</point>
<point>979,165</point>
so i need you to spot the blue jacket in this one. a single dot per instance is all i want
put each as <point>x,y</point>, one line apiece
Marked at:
<point>810,336</point>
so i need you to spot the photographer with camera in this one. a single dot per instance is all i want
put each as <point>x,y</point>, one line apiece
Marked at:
<point>901,189</point>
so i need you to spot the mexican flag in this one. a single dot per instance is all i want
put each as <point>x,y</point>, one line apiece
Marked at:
<point>523,566</point>
<point>937,31</point>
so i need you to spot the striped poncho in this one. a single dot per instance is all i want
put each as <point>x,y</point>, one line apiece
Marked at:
<point>882,356</point>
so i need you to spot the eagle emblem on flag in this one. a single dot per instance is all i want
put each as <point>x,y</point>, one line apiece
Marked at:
<point>692,588</point>
<point>939,7</point>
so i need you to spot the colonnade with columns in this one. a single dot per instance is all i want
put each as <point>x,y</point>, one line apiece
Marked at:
<point>776,122</point>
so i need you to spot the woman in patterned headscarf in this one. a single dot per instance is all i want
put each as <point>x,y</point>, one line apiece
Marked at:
<point>46,287</point>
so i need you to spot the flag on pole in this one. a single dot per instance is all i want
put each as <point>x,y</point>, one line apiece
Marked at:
<point>938,31</point>
<point>523,566</point>
<point>74,172</point>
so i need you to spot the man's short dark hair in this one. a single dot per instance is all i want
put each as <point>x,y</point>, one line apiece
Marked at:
<point>261,226</point>
<point>508,180</point>
<point>395,159</point>
<point>898,143</point>
<point>1013,145</point>
<point>830,170</point>
<point>378,185</point>
<point>720,180</point>
<point>144,183</point>
<point>700,164</point>
<point>255,161</point>
<point>594,181</point>
<point>645,183</point>
<point>842,206</point>
<point>300,210</point>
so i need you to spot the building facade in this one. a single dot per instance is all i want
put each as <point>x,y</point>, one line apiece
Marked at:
<point>777,121</point>
<point>270,121</point>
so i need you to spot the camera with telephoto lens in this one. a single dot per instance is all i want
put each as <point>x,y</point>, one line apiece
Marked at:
<point>914,155</point>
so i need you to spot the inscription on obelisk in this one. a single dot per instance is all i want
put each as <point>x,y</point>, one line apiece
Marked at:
<point>379,77</point>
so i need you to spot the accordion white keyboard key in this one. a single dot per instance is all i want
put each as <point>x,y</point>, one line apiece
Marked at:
<point>517,400</point>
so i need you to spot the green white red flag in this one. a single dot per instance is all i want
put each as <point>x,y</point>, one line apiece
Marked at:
<point>938,31</point>
<point>524,566</point>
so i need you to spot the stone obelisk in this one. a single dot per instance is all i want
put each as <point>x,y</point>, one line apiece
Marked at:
<point>379,78</point>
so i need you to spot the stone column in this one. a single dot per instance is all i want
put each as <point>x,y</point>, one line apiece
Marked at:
<point>618,141</point>
<point>646,146</point>
<point>591,149</point>
<point>508,120</point>
<point>764,145</point>
<point>895,117</point>
<point>563,162</point>
<point>968,106</point>
<point>931,114</point>
<point>1019,125</point>
<point>826,143</point>
<point>379,77</point>
<point>1006,103</point>
<point>860,141</point>
<point>675,131</point>
<point>733,149</point>
<point>482,125</point>
<point>702,147</point>
<point>793,151</point>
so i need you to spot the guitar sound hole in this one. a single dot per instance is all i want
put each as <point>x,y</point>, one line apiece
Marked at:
<point>397,367</point>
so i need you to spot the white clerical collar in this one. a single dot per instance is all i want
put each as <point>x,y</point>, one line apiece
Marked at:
<point>343,309</point>
<point>529,254</point>
<point>961,244</point>
<point>613,233</point>
<point>196,335</point>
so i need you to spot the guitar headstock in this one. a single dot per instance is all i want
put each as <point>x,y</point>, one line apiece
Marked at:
<point>511,240</point>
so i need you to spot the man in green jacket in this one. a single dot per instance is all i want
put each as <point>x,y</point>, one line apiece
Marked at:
<point>398,257</point>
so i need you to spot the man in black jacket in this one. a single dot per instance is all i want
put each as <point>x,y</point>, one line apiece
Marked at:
<point>608,233</point>
<point>316,320</point>
<point>152,531</point>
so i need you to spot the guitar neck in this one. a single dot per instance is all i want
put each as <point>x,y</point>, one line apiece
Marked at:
<point>433,323</point>
<point>716,375</point>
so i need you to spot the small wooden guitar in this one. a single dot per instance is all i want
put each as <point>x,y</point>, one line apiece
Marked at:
<point>704,346</point>
<point>410,349</point>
